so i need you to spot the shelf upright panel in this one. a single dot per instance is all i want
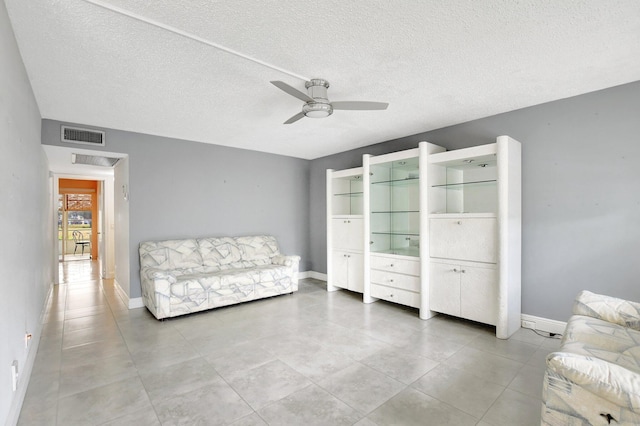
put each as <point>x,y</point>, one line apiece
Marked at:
<point>509,234</point>
<point>329,189</point>
<point>427,176</point>
<point>366,202</point>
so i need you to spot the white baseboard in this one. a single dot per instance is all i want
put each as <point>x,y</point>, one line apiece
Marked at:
<point>134,303</point>
<point>543,324</point>
<point>312,274</point>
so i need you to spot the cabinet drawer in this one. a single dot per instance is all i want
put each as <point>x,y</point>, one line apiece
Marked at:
<point>401,281</point>
<point>391,264</point>
<point>473,239</point>
<point>395,295</point>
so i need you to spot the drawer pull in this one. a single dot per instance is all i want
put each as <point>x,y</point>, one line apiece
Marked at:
<point>391,295</point>
<point>463,271</point>
<point>459,222</point>
<point>391,266</point>
<point>390,281</point>
<point>455,269</point>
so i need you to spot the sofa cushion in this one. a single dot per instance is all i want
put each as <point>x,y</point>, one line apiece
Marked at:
<point>204,281</point>
<point>272,273</point>
<point>219,252</point>
<point>257,250</point>
<point>171,254</point>
<point>592,337</point>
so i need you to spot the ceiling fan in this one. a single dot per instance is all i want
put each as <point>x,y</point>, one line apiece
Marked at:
<point>317,104</point>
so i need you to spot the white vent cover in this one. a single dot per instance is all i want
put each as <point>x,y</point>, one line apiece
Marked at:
<point>94,160</point>
<point>82,136</point>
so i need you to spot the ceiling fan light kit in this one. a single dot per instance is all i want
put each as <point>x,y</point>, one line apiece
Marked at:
<point>320,107</point>
<point>316,102</point>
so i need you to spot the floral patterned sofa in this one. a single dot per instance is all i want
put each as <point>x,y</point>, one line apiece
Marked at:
<point>594,379</point>
<point>183,276</point>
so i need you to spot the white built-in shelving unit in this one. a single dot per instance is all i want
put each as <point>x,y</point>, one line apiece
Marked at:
<point>475,228</point>
<point>433,229</point>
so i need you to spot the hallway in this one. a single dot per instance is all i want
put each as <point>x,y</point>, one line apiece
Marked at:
<point>80,338</point>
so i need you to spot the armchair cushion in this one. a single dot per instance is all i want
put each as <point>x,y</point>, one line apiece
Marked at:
<point>596,371</point>
<point>607,308</point>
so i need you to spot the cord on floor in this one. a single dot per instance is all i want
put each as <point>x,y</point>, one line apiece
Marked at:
<point>547,335</point>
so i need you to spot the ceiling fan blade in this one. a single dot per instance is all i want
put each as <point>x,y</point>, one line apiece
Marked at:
<point>292,91</point>
<point>295,118</point>
<point>359,105</point>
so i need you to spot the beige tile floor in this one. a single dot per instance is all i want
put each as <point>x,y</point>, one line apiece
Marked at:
<point>312,358</point>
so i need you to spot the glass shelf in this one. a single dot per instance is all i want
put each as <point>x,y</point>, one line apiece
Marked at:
<point>349,194</point>
<point>405,181</point>
<point>461,185</point>
<point>398,233</point>
<point>394,207</point>
<point>396,211</point>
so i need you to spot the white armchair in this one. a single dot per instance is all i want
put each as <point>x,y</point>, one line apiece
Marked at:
<point>594,379</point>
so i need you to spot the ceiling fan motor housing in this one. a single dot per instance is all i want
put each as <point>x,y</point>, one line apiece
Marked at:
<point>317,89</point>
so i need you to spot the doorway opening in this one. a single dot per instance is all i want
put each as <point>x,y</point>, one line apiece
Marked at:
<point>77,219</point>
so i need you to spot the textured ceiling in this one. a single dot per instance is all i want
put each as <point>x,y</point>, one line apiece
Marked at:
<point>436,62</point>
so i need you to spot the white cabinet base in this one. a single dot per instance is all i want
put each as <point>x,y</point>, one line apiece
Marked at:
<point>464,290</point>
<point>347,271</point>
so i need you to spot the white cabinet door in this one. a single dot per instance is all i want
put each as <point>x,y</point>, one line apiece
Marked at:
<point>340,233</point>
<point>356,272</point>
<point>479,294</point>
<point>356,234</point>
<point>348,234</point>
<point>444,288</point>
<point>473,239</point>
<point>340,272</point>
<point>348,270</point>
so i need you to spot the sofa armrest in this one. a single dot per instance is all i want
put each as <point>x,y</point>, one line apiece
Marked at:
<point>292,262</point>
<point>285,260</point>
<point>156,290</point>
<point>602,378</point>
<point>606,308</point>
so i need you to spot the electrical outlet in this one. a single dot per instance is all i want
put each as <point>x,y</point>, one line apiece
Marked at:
<point>14,374</point>
<point>528,324</point>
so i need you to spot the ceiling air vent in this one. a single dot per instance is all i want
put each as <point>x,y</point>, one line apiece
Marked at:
<point>82,136</point>
<point>94,160</point>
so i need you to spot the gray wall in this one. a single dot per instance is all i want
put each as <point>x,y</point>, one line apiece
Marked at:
<point>26,226</point>
<point>183,189</point>
<point>580,192</point>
